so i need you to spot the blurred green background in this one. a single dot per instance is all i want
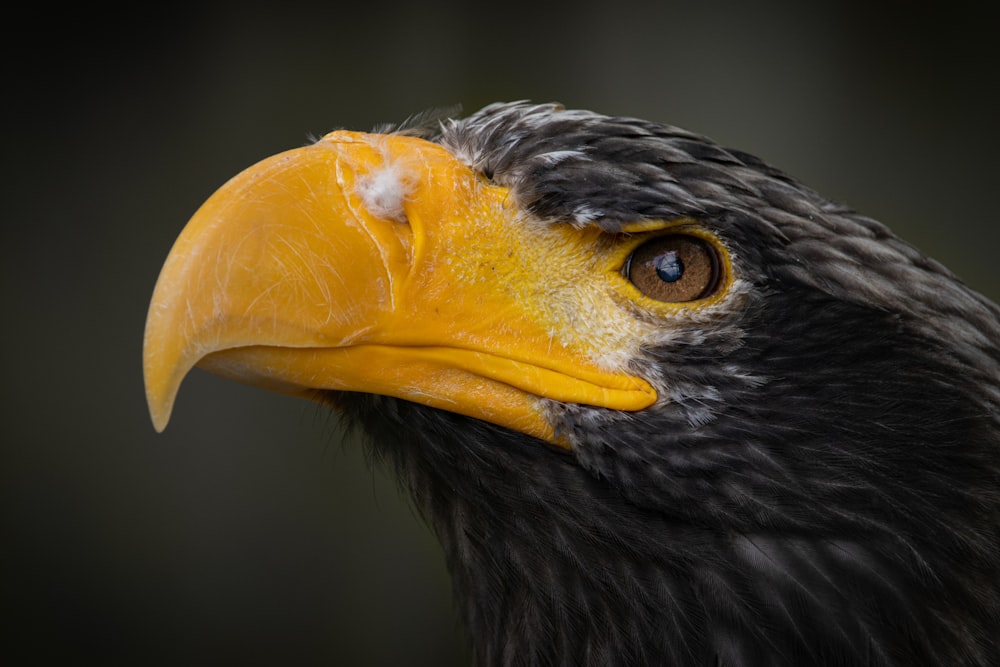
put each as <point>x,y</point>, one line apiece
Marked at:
<point>250,532</point>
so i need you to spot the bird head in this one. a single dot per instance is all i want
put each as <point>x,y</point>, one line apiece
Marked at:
<point>654,396</point>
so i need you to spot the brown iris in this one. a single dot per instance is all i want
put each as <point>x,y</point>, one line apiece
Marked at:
<point>677,268</point>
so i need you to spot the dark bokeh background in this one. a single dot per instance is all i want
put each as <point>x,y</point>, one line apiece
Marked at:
<point>250,533</point>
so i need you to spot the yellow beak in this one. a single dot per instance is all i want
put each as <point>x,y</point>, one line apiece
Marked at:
<point>378,264</point>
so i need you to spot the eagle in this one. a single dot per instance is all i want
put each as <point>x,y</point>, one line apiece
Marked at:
<point>661,403</point>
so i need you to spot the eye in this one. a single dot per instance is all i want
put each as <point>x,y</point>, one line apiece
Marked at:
<point>674,268</point>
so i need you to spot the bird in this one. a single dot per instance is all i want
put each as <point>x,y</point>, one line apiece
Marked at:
<point>660,402</point>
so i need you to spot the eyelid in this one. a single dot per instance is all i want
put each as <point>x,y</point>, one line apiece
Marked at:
<point>655,225</point>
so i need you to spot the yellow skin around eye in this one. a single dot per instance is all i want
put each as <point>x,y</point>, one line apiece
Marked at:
<point>694,261</point>
<point>638,234</point>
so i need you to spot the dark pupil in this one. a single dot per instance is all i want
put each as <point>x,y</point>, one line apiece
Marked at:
<point>669,267</point>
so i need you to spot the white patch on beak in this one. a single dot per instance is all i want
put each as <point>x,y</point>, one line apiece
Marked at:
<point>385,190</point>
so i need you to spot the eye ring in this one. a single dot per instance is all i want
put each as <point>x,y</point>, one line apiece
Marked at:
<point>675,268</point>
